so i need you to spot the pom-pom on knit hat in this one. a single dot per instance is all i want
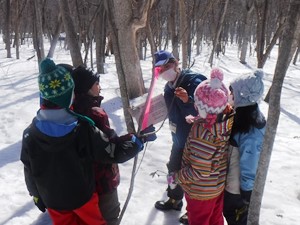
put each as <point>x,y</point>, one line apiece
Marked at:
<point>247,90</point>
<point>211,96</point>
<point>84,79</point>
<point>162,57</point>
<point>55,84</point>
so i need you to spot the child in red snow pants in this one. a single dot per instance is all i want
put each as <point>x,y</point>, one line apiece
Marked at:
<point>205,212</point>
<point>88,214</point>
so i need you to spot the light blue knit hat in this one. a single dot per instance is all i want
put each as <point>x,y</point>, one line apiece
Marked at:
<point>248,89</point>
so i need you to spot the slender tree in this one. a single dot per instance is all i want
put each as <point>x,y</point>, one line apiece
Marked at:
<point>55,37</point>
<point>286,51</point>
<point>70,32</point>
<point>7,29</point>
<point>100,38</point>
<point>218,31</point>
<point>38,39</point>
<point>247,29</point>
<point>183,33</point>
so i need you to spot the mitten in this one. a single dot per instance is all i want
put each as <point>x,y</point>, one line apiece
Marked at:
<point>39,203</point>
<point>148,134</point>
<point>171,180</point>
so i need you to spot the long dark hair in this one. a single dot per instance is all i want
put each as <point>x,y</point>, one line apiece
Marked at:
<point>247,117</point>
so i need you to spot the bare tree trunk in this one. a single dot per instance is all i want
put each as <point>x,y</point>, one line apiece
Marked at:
<point>218,32</point>
<point>174,33</point>
<point>297,52</point>
<point>125,26</point>
<point>183,33</point>
<point>286,51</point>
<point>38,31</point>
<point>91,53</point>
<point>268,51</point>
<point>7,29</point>
<point>262,10</point>
<point>246,33</point>
<point>17,30</point>
<point>100,38</point>
<point>71,34</point>
<point>55,38</point>
<point>296,56</point>
<point>125,18</point>
<point>150,38</point>
<point>199,37</point>
<point>19,7</point>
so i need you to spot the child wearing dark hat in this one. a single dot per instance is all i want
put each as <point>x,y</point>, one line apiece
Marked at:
<point>58,151</point>
<point>245,146</point>
<point>204,160</point>
<point>87,102</point>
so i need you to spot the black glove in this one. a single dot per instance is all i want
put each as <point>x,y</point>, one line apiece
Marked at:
<point>39,203</point>
<point>246,196</point>
<point>148,134</point>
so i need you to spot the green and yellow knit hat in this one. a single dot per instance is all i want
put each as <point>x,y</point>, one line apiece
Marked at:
<point>55,84</point>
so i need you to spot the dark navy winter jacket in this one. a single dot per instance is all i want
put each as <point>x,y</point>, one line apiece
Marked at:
<point>178,110</point>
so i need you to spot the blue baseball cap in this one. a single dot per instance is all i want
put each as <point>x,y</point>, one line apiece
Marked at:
<point>162,57</point>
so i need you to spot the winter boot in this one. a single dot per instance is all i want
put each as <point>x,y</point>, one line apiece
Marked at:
<point>184,219</point>
<point>169,204</point>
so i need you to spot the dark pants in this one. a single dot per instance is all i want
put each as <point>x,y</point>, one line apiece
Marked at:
<point>173,165</point>
<point>110,207</point>
<point>235,209</point>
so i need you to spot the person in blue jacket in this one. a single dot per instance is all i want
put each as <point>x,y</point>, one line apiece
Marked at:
<point>246,144</point>
<point>178,82</point>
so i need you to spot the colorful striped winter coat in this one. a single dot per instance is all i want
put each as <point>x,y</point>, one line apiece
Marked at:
<point>204,160</point>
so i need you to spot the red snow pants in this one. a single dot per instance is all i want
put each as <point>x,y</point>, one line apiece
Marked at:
<point>205,212</point>
<point>88,214</point>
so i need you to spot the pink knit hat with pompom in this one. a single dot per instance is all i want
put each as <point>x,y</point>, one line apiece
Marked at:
<point>211,96</point>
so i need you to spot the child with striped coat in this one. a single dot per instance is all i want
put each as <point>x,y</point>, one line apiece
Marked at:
<point>204,161</point>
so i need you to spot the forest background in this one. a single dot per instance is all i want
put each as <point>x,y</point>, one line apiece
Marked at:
<point>91,30</point>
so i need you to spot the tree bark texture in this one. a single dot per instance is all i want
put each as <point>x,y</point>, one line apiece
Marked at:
<point>100,38</point>
<point>246,34</point>
<point>286,52</point>
<point>71,34</point>
<point>38,30</point>
<point>218,31</point>
<point>183,33</point>
<point>7,29</point>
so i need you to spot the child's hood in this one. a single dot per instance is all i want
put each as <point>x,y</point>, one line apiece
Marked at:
<point>55,123</point>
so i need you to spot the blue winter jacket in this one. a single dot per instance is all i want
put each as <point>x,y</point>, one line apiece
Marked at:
<point>249,145</point>
<point>178,110</point>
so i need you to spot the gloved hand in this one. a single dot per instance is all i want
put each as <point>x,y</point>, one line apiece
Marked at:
<point>148,134</point>
<point>246,196</point>
<point>171,180</point>
<point>117,139</point>
<point>39,203</point>
<point>138,142</point>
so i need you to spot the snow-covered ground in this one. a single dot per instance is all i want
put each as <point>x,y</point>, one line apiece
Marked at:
<point>19,101</point>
